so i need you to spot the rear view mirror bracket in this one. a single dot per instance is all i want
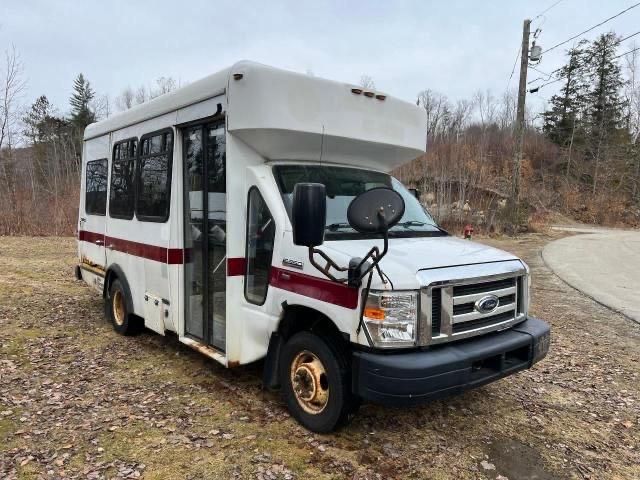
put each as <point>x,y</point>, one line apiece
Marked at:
<point>374,211</point>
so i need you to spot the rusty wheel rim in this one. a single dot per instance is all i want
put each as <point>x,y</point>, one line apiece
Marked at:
<point>310,382</point>
<point>118,307</point>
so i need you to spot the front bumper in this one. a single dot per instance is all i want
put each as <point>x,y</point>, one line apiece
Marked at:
<point>418,377</point>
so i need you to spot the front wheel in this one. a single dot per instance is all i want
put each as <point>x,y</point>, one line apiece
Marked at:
<point>315,383</point>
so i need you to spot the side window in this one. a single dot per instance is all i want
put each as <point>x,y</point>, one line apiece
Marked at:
<point>260,235</point>
<point>95,202</point>
<point>154,183</point>
<point>121,199</point>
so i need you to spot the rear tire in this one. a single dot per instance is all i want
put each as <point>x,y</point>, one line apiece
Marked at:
<point>123,321</point>
<point>316,382</point>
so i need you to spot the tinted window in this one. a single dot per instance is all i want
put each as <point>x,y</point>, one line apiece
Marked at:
<point>260,234</point>
<point>96,187</point>
<point>154,186</point>
<point>121,199</point>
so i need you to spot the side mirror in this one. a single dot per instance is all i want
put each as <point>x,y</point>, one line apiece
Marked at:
<point>415,192</point>
<point>376,210</point>
<point>309,214</point>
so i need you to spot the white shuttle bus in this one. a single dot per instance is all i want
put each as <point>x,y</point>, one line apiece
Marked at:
<point>251,213</point>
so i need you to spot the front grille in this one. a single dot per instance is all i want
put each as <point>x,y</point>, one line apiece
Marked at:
<point>436,307</point>
<point>457,309</point>
<point>485,287</point>
<point>481,322</point>
<point>467,316</point>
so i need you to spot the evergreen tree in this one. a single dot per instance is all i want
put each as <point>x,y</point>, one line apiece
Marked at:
<point>81,112</point>
<point>564,116</point>
<point>606,107</point>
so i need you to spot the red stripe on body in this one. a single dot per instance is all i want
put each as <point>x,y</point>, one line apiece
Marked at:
<point>296,282</point>
<point>85,236</point>
<point>236,266</point>
<point>314,287</point>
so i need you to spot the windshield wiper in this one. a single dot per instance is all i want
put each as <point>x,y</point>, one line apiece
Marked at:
<point>336,226</point>
<point>412,223</point>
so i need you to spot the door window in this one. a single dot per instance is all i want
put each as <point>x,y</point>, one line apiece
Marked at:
<point>260,236</point>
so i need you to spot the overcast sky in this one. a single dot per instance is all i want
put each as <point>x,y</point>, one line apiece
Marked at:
<point>455,47</point>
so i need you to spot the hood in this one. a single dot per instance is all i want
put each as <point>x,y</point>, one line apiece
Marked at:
<point>406,256</point>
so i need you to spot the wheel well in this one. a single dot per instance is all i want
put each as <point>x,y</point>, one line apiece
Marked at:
<point>298,318</point>
<point>116,272</point>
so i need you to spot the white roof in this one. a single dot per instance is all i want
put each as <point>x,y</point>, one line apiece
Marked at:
<point>207,87</point>
<point>285,115</point>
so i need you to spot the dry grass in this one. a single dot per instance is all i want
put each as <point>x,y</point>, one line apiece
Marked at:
<point>79,401</point>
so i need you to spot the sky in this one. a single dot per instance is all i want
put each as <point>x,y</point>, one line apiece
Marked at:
<point>455,47</point>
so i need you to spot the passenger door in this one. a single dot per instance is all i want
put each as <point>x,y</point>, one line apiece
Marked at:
<point>205,214</point>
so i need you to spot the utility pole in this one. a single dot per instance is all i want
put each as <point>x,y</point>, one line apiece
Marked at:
<point>522,92</point>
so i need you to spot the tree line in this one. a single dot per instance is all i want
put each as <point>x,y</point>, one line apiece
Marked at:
<point>41,150</point>
<point>581,154</point>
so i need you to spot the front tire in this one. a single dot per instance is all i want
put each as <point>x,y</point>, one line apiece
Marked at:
<point>315,381</point>
<point>123,321</point>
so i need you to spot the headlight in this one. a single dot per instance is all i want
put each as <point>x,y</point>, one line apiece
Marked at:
<point>391,318</point>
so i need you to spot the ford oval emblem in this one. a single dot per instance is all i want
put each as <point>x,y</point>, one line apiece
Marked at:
<point>487,304</point>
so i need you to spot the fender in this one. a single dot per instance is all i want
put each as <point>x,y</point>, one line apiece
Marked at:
<point>115,271</point>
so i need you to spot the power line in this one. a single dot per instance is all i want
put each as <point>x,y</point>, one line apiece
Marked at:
<point>558,69</point>
<point>627,37</point>
<point>515,62</point>
<point>546,10</point>
<point>626,53</point>
<point>562,78</point>
<point>592,28</point>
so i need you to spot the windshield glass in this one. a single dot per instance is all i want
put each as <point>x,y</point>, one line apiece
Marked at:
<point>343,185</point>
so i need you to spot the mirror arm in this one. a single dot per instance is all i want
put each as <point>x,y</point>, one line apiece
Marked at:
<point>376,256</point>
<point>330,264</point>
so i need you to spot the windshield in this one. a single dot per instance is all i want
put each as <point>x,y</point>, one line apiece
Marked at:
<point>343,185</point>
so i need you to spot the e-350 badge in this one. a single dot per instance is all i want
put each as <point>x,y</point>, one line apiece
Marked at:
<point>293,263</point>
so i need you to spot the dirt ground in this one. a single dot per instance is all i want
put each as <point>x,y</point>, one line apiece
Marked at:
<point>79,401</point>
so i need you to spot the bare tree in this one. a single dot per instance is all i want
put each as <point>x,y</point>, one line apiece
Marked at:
<point>126,99</point>
<point>101,105</point>
<point>486,106</point>
<point>163,85</point>
<point>141,95</point>
<point>12,88</point>
<point>438,112</point>
<point>367,82</point>
<point>632,96</point>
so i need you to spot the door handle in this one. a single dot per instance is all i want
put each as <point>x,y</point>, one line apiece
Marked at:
<point>99,242</point>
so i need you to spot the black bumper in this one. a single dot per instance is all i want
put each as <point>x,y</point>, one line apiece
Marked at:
<point>441,371</point>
